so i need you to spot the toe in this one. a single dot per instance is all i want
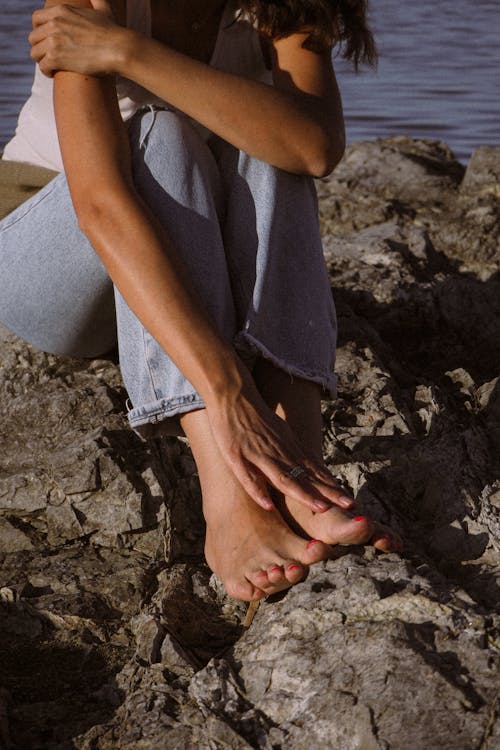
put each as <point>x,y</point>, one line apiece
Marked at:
<point>388,543</point>
<point>243,590</point>
<point>361,529</point>
<point>339,527</point>
<point>383,543</point>
<point>294,572</point>
<point>314,551</point>
<point>260,580</point>
<point>386,540</point>
<point>346,529</point>
<point>290,572</point>
<point>276,574</point>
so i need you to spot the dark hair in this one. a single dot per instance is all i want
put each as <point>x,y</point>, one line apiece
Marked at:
<point>328,22</point>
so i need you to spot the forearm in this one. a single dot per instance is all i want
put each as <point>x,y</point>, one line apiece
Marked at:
<point>296,124</point>
<point>142,263</point>
<point>135,250</point>
<point>290,129</point>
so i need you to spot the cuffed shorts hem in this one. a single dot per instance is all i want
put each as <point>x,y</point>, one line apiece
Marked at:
<point>161,417</point>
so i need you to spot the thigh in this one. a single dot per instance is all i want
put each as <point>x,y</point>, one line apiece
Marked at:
<point>176,175</point>
<point>54,291</point>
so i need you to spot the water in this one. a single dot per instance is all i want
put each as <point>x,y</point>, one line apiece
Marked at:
<point>438,75</point>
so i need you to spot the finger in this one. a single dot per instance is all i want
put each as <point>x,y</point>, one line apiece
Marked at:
<point>253,482</point>
<point>320,483</point>
<point>333,494</point>
<point>39,54</point>
<point>38,18</point>
<point>326,484</point>
<point>37,35</point>
<point>44,15</point>
<point>38,51</point>
<point>103,6</point>
<point>279,477</point>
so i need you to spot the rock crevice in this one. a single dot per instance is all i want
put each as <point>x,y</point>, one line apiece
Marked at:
<point>115,634</point>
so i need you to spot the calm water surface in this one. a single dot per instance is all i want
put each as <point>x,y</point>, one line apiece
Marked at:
<point>438,75</point>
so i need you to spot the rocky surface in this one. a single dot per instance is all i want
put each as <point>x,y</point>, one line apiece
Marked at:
<point>114,634</point>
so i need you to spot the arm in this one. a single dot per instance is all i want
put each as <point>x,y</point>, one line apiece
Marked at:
<point>134,248</point>
<point>296,124</point>
<point>248,114</point>
<point>143,264</point>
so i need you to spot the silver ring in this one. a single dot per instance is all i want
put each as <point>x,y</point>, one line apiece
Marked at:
<point>296,472</point>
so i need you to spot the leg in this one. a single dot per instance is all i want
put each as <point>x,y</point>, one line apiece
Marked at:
<point>286,313</point>
<point>252,550</point>
<point>299,403</point>
<point>176,175</point>
<point>54,291</point>
<point>284,305</point>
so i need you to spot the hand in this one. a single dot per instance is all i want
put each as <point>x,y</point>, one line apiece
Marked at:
<point>74,39</point>
<point>261,449</point>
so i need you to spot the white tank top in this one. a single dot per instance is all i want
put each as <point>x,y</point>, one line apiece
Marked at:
<point>237,50</point>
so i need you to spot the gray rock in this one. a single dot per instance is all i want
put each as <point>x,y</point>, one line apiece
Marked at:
<point>113,632</point>
<point>483,172</point>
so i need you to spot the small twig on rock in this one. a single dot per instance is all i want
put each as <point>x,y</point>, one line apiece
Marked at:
<point>251,611</point>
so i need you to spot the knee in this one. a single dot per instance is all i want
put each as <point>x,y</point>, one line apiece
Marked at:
<point>172,161</point>
<point>167,137</point>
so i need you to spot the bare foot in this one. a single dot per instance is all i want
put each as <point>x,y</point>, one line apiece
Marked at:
<point>299,403</point>
<point>252,550</point>
<point>336,526</point>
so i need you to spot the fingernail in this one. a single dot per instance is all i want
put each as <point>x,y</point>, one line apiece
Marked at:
<point>310,544</point>
<point>294,567</point>
<point>266,503</point>
<point>321,505</point>
<point>346,501</point>
<point>359,518</point>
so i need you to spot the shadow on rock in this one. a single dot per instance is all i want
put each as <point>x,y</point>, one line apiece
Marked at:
<point>57,680</point>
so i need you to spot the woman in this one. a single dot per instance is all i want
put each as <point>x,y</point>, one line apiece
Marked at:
<point>201,210</point>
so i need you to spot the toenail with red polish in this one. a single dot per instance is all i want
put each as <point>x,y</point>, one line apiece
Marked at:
<point>359,518</point>
<point>294,567</point>
<point>313,541</point>
<point>276,567</point>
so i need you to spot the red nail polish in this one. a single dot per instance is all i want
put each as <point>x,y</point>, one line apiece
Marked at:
<point>359,518</point>
<point>276,567</point>
<point>294,567</point>
<point>383,539</point>
<point>313,541</point>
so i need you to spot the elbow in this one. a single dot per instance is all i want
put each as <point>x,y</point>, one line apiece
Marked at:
<point>101,199</point>
<point>325,156</point>
<point>97,209</point>
<point>89,215</point>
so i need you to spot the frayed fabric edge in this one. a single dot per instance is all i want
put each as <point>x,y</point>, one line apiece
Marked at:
<point>245,342</point>
<point>161,417</point>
